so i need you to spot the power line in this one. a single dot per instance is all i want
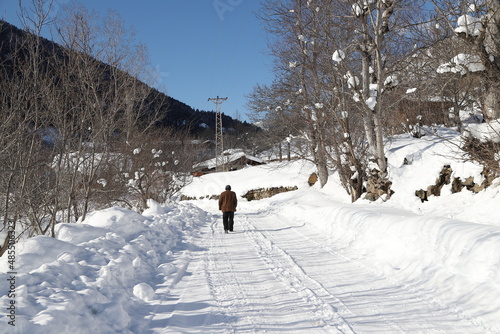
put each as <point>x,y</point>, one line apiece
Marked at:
<point>219,141</point>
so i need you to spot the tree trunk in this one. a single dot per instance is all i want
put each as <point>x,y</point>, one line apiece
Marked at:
<point>379,144</point>
<point>491,53</point>
<point>288,153</point>
<point>321,163</point>
<point>491,104</point>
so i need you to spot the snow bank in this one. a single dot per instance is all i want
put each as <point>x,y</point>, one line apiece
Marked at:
<point>128,222</point>
<point>485,131</point>
<point>455,262</point>
<point>294,173</point>
<point>425,158</point>
<point>98,276</point>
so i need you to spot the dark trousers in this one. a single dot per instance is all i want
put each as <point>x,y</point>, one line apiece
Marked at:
<point>228,220</point>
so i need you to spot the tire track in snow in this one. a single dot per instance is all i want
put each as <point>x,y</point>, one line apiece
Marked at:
<point>291,275</point>
<point>457,321</point>
<point>224,286</point>
<point>342,310</point>
<point>249,297</point>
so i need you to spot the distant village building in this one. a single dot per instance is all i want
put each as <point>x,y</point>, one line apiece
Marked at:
<point>230,159</point>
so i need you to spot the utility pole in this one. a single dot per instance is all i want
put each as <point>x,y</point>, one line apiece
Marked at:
<point>219,142</point>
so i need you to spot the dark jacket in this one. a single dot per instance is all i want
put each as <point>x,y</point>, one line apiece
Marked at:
<point>228,201</point>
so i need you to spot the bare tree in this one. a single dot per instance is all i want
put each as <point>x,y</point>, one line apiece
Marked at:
<point>477,24</point>
<point>25,84</point>
<point>64,112</point>
<point>341,58</point>
<point>299,54</point>
<point>153,168</point>
<point>114,103</point>
<point>276,118</point>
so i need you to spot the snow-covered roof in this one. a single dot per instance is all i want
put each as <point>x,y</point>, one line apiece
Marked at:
<point>227,157</point>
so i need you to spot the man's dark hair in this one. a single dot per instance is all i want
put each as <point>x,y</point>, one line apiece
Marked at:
<point>228,187</point>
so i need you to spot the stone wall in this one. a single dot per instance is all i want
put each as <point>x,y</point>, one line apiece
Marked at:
<point>261,193</point>
<point>445,178</point>
<point>251,195</point>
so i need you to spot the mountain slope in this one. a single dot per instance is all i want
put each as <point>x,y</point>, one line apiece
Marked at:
<point>172,113</point>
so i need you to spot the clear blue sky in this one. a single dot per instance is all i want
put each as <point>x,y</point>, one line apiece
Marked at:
<point>200,48</point>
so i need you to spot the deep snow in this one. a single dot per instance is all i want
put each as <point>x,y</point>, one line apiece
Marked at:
<point>303,261</point>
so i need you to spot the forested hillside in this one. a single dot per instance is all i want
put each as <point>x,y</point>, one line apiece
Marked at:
<point>170,112</point>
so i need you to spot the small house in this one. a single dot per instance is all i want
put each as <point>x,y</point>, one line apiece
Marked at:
<point>229,160</point>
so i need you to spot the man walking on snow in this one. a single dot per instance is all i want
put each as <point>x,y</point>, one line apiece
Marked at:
<point>227,204</point>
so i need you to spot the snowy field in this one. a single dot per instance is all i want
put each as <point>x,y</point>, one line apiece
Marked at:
<point>306,261</point>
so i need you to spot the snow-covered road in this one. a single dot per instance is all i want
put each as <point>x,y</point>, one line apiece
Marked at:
<point>296,263</point>
<point>279,275</point>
